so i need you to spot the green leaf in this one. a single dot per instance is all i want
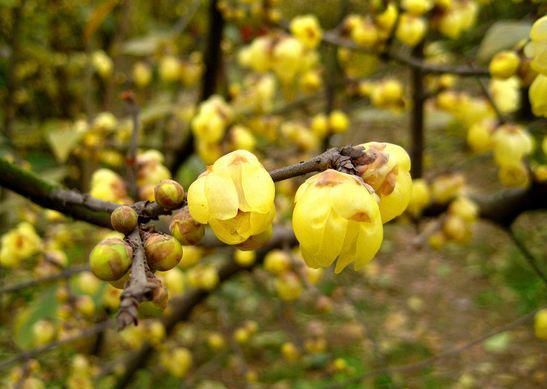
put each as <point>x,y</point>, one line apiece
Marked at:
<point>497,343</point>
<point>41,308</point>
<point>502,35</point>
<point>62,140</point>
<point>145,45</point>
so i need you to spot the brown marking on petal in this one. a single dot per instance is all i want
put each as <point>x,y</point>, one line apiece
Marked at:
<point>361,217</point>
<point>329,178</point>
<point>238,159</point>
<point>388,186</point>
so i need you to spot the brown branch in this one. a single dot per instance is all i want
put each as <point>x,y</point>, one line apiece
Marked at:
<point>131,157</point>
<point>85,333</point>
<point>141,285</point>
<point>333,38</point>
<point>211,76</point>
<point>62,275</point>
<point>503,207</point>
<point>442,355</point>
<point>417,117</point>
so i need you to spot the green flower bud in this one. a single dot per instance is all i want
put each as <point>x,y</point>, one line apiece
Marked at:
<point>169,194</point>
<point>124,219</point>
<point>163,252</point>
<point>185,229</point>
<point>110,259</point>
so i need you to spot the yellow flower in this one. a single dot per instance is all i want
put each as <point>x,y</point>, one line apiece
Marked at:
<point>538,95</point>
<point>288,59</point>
<point>335,216</point>
<point>537,48</point>
<point>257,55</point>
<point>540,324</point>
<point>338,121</point>
<point>307,30</point>
<point>411,29</point>
<point>417,7</point>
<point>511,144</point>
<point>479,135</point>
<point>212,118</point>
<point>420,197</point>
<point>235,196</point>
<point>18,244</point>
<point>506,94</point>
<point>504,64</point>
<point>389,176</point>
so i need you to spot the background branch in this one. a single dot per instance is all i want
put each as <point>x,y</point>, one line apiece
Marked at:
<point>445,354</point>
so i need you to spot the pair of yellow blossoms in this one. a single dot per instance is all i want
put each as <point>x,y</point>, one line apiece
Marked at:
<point>336,215</point>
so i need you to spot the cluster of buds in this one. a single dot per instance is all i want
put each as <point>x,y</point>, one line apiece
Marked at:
<point>171,69</point>
<point>286,56</point>
<point>250,11</point>
<point>255,94</point>
<point>371,31</point>
<point>510,143</point>
<point>465,108</point>
<point>386,94</point>
<point>457,224</point>
<point>452,18</point>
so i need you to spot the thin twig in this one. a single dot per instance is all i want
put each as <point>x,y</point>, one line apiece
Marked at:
<point>527,254</point>
<point>48,347</point>
<point>62,275</point>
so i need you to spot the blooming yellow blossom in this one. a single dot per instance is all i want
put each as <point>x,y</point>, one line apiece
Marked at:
<point>307,30</point>
<point>335,216</point>
<point>235,196</point>
<point>19,244</point>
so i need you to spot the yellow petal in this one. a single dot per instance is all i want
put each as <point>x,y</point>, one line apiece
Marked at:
<point>197,201</point>
<point>221,197</point>
<point>396,202</point>
<point>348,248</point>
<point>368,243</point>
<point>227,231</point>
<point>258,187</point>
<point>352,200</point>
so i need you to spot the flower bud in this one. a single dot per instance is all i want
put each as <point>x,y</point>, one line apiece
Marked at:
<point>163,252</point>
<point>277,262</point>
<point>288,287</point>
<point>185,229</point>
<point>169,194</point>
<point>124,219</point>
<point>504,64</point>
<point>540,324</point>
<point>110,259</point>
<point>43,332</point>
<point>411,29</point>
